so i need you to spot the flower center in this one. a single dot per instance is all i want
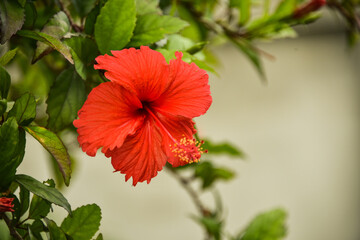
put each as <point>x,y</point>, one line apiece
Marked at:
<point>187,150</point>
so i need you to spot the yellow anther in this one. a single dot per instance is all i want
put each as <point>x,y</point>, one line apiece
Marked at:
<point>188,150</point>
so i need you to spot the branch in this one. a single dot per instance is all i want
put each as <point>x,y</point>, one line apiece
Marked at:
<point>194,196</point>
<point>351,18</point>
<point>220,28</point>
<point>73,25</point>
<point>13,231</point>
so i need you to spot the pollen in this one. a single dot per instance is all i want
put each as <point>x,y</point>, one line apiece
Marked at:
<point>188,150</point>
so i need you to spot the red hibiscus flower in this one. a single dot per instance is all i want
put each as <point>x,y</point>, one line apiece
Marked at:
<point>142,118</point>
<point>6,204</point>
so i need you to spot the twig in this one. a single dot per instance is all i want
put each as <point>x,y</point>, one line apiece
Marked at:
<point>352,19</point>
<point>73,25</point>
<point>194,196</point>
<point>13,231</point>
<point>218,27</point>
<point>23,221</point>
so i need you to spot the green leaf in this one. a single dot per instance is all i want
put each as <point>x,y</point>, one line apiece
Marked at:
<point>22,2</point>
<point>197,47</point>
<point>3,106</point>
<point>31,235</point>
<point>31,15</point>
<point>147,6</point>
<point>275,31</point>
<point>5,82</point>
<point>43,191</point>
<point>91,19</point>
<point>24,109</point>
<point>52,143</point>
<point>66,97</point>
<point>115,24</point>
<point>284,9</point>
<point>266,226</point>
<point>244,7</point>
<point>57,27</point>
<point>178,43</point>
<point>99,237</point>
<point>11,19</point>
<point>10,105</point>
<point>36,227</point>
<point>39,207</point>
<point>24,201</point>
<point>212,225</point>
<point>151,28</point>
<point>83,7</point>
<point>222,148</point>
<point>84,52</point>
<point>8,56</point>
<point>49,40</point>
<point>84,223</point>
<point>252,54</point>
<point>12,149</point>
<point>55,232</point>
<point>209,174</point>
<point>9,138</point>
<point>195,31</point>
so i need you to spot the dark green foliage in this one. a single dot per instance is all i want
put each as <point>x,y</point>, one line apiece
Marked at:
<point>3,106</point>
<point>45,192</point>
<point>57,27</point>
<point>24,109</point>
<point>39,207</point>
<point>66,97</point>
<point>83,7</point>
<point>11,19</point>
<point>55,232</point>
<point>12,145</point>
<point>84,52</point>
<point>4,83</point>
<point>24,200</point>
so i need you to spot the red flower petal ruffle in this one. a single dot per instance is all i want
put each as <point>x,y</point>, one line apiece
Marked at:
<point>107,118</point>
<point>143,70</point>
<point>188,93</point>
<point>6,204</point>
<point>141,156</point>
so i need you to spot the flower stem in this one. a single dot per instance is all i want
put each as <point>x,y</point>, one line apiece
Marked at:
<point>194,196</point>
<point>13,231</point>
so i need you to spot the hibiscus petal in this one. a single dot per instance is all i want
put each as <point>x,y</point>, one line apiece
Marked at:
<point>108,116</point>
<point>188,93</point>
<point>143,70</point>
<point>178,127</point>
<point>141,156</point>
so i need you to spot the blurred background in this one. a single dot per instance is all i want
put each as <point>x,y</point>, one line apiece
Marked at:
<point>300,133</point>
